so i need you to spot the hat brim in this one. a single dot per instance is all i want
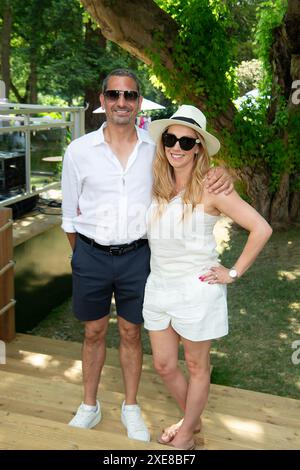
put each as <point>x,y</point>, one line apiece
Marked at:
<point>157,128</point>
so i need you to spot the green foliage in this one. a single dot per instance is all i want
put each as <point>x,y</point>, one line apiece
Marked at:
<point>248,144</point>
<point>66,47</point>
<point>270,15</point>
<point>244,19</point>
<point>43,39</point>
<point>293,130</point>
<point>204,58</point>
<point>273,147</point>
<point>202,54</point>
<point>214,36</point>
<point>56,36</point>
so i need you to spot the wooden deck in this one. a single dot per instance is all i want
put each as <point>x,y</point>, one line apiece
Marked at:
<point>40,388</point>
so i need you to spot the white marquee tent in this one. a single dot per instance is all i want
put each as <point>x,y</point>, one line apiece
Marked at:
<point>147,105</point>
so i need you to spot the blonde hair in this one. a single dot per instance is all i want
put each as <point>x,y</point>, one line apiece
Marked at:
<point>164,179</point>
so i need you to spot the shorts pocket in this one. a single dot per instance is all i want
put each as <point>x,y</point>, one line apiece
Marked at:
<point>197,292</point>
<point>153,298</point>
<point>77,242</point>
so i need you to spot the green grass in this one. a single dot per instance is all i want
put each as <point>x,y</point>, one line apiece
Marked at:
<point>264,320</point>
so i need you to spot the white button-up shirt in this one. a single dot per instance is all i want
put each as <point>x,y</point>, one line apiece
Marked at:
<point>101,199</point>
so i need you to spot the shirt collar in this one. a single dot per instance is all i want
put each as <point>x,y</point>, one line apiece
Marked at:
<point>142,135</point>
<point>99,135</point>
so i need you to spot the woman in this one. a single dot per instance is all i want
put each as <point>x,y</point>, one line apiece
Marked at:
<point>185,295</point>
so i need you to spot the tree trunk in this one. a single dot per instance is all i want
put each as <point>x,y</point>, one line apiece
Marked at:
<point>293,105</point>
<point>20,99</point>
<point>5,46</point>
<point>136,27</point>
<point>93,121</point>
<point>279,215</point>
<point>285,55</point>
<point>133,25</point>
<point>91,94</point>
<point>295,206</point>
<point>257,184</point>
<point>285,61</point>
<point>33,83</point>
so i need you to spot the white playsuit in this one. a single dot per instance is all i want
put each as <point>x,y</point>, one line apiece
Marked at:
<point>180,253</point>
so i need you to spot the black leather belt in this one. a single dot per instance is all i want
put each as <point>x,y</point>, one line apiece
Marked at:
<point>115,250</point>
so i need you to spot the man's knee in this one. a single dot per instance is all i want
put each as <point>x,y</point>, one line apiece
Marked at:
<point>130,333</point>
<point>95,331</point>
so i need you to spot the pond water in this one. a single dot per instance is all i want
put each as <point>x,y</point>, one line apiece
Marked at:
<point>42,277</point>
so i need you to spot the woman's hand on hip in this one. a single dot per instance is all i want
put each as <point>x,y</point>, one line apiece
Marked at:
<point>217,275</point>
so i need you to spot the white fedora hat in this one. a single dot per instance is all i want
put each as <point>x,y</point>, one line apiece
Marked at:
<point>188,116</point>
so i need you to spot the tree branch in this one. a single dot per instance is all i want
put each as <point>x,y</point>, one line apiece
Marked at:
<point>133,25</point>
<point>5,46</point>
<point>285,56</point>
<point>20,98</point>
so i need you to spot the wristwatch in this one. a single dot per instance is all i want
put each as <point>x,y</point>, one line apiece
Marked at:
<point>233,273</point>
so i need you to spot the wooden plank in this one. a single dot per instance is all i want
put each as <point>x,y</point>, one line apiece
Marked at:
<point>249,407</point>
<point>251,433</point>
<point>244,403</point>
<point>68,396</point>
<point>61,370</point>
<point>73,350</point>
<point>68,349</point>
<point>271,405</point>
<point>231,401</point>
<point>111,421</point>
<point>218,426</point>
<point>7,319</point>
<point>30,433</point>
<point>61,412</point>
<point>19,350</point>
<point>109,425</point>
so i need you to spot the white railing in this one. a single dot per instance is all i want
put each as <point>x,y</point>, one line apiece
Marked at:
<point>16,118</point>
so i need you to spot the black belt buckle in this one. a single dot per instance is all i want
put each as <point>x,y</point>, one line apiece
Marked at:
<point>115,250</point>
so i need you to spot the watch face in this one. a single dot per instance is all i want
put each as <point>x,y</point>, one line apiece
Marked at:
<point>233,273</point>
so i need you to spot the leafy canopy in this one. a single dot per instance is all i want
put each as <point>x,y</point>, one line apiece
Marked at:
<point>203,53</point>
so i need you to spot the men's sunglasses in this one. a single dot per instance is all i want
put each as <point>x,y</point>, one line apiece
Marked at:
<point>186,143</point>
<point>114,95</point>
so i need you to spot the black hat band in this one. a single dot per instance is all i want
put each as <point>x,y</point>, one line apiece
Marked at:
<point>191,121</point>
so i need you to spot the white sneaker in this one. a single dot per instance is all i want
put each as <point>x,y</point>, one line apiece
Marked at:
<point>133,421</point>
<point>85,418</point>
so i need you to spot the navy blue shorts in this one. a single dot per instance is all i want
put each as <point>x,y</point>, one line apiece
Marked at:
<point>97,275</point>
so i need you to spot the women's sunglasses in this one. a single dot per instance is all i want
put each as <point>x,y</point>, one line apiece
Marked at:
<point>186,143</point>
<point>114,95</point>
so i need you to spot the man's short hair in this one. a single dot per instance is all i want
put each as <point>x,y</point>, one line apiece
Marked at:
<point>121,73</point>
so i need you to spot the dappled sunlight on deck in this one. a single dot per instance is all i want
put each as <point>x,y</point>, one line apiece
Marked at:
<point>41,387</point>
<point>239,427</point>
<point>38,360</point>
<point>74,371</point>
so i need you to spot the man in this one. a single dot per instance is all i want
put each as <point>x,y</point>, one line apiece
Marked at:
<point>106,186</point>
